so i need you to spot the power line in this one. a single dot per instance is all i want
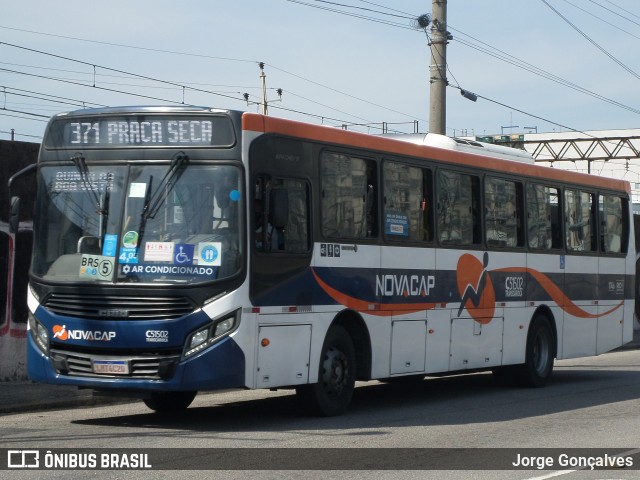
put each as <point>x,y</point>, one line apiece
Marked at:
<point>145,77</point>
<point>590,40</point>
<point>17,134</point>
<point>101,75</point>
<point>341,92</point>
<point>363,8</point>
<point>46,97</point>
<point>121,45</point>
<point>2,110</point>
<point>616,13</point>
<point>536,116</point>
<point>516,62</point>
<point>601,19</point>
<point>349,14</point>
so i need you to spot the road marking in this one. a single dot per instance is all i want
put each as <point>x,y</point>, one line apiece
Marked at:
<point>553,474</point>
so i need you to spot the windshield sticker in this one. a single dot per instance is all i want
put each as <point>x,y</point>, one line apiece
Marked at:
<point>96,267</point>
<point>210,253</point>
<point>158,252</point>
<point>128,255</point>
<point>234,195</point>
<point>137,190</point>
<point>178,214</point>
<point>170,270</point>
<point>110,245</point>
<point>183,254</point>
<point>130,239</point>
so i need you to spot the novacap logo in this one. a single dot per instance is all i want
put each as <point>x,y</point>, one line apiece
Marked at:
<point>476,290</point>
<point>61,333</point>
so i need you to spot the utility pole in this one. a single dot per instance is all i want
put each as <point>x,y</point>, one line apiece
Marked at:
<point>263,78</point>
<point>263,100</point>
<point>438,68</point>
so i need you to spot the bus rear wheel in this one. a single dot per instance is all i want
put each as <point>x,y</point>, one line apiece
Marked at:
<point>540,354</point>
<point>336,376</point>
<point>169,402</point>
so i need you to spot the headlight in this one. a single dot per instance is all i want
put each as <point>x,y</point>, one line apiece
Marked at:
<point>208,335</point>
<point>39,333</point>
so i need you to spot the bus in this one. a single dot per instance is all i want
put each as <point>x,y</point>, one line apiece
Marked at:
<point>185,249</point>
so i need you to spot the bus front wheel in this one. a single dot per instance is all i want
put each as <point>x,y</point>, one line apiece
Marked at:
<point>169,402</point>
<point>336,376</point>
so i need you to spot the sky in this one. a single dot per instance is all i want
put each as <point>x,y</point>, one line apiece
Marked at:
<point>536,65</point>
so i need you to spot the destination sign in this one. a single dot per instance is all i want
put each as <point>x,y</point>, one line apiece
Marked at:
<point>141,131</point>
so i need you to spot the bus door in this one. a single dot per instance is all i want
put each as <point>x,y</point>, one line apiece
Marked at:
<point>407,280</point>
<point>581,274</point>
<point>614,269</point>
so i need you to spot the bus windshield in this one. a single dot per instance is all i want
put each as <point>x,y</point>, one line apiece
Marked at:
<point>138,223</point>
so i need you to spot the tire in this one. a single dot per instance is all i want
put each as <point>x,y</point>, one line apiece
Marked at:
<point>539,357</point>
<point>169,402</point>
<point>332,394</point>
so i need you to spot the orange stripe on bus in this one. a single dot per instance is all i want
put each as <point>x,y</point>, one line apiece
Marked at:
<point>558,296</point>
<point>265,124</point>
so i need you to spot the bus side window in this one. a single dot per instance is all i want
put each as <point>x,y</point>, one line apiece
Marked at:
<point>459,216</point>
<point>281,215</point>
<point>349,197</point>
<point>406,202</point>
<point>612,224</point>
<point>503,206</point>
<point>579,221</point>
<point>543,217</point>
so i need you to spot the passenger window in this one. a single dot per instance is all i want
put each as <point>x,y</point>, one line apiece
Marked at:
<point>612,223</point>
<point>503,219</point>
<point>543,217</point>
<point>458,208</point>
<point>349,205</point>
<point>579,223</point>
<point>407,202</point>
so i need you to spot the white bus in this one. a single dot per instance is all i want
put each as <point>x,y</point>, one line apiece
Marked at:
<point>183,249</point>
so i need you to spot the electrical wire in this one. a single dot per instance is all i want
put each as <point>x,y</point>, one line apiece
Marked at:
<point>600,19</point>
<point>512,60</point>
<point>349,14</point>
<point>616,13</point>
<point>593,42</point>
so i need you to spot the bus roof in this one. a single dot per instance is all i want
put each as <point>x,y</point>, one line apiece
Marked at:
<point>266,124</point>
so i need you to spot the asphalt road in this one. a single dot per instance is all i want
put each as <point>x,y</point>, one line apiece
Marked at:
<point>591,403</point>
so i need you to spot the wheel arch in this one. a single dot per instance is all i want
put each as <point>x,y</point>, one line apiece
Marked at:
<point>354,324</point>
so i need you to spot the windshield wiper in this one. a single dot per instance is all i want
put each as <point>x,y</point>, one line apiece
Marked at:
<point>154,202</point>
<point>81,164</point>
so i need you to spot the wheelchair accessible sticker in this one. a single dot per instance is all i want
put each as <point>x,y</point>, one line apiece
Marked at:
<point>183,254</point>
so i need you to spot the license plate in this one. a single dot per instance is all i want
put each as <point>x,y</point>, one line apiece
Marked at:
<point>111,367</point>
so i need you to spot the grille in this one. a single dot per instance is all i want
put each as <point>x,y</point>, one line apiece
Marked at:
<point>151,366</point>
<point>119,306</point>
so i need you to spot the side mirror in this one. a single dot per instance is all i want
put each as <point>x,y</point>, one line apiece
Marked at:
<point>14,215</point>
